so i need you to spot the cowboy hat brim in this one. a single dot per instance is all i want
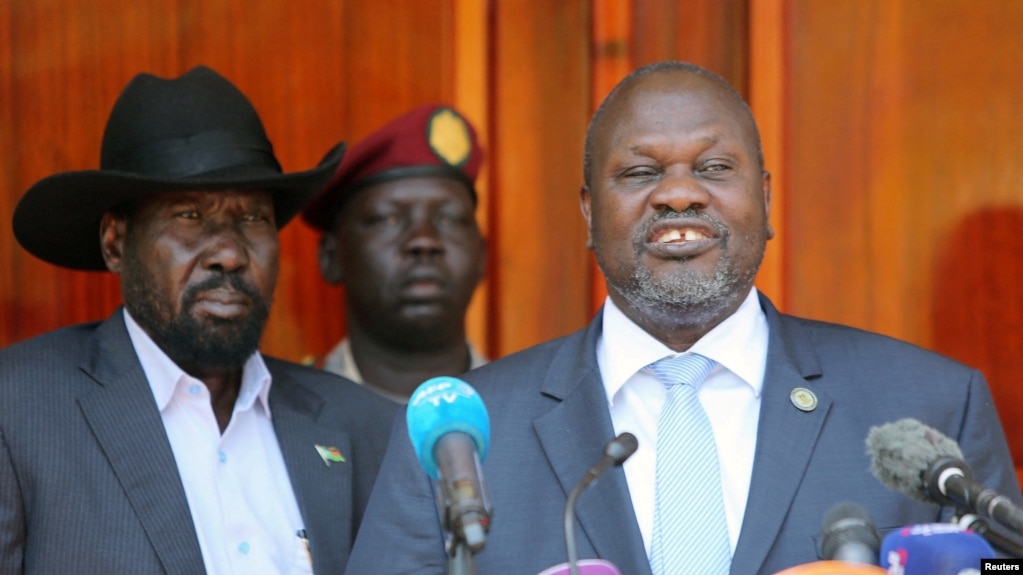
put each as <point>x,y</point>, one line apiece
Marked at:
<point>58,218</point>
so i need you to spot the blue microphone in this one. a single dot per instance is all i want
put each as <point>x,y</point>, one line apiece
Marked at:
<point>449,428</point>
<point>934,549</point>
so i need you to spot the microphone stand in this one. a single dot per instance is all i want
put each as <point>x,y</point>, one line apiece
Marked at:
<point>461,561</point>
<point>462,546</point>
<point>570,548</point>
<point>615,453</point>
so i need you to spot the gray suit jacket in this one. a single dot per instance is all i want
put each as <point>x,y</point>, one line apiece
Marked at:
<point>549,423</point>
<point>88,481</point>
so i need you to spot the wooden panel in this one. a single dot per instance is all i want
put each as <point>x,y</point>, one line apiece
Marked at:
<point>711,33</point>
<point>541,108</point>
<point>473,52</point>
<point>767,90</point>
<point>841,54</point>
<point>977,308</point>
<point>905,189</point>
<point>890,147</point>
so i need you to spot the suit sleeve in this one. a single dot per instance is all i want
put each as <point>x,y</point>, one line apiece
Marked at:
<point>400,533</point>
<point>983,442</point>
<point>12,515</point>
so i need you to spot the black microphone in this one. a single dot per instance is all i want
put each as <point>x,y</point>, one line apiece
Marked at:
<point>924,464</point>
<point>615,453</point>
<point>848,534</point>
<point>999,541</point>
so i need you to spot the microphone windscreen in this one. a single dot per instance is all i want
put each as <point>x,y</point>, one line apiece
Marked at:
<point>586,567</point>
<point>622,447</point>
<point>934,549</point>
<point>902,451</point>
<point>443,405</point>
<point>848,533</point>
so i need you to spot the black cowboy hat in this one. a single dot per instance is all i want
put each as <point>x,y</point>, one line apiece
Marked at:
<point>196,132</point>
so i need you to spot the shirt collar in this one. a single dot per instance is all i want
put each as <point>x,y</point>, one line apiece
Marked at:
<point>739,344</point>
<point>165,376</point>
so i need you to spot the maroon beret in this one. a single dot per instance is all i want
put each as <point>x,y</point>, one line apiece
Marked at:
<point>431,140</point>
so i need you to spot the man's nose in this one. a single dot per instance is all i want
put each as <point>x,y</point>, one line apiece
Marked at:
<point>226,249</point>
<point>680,190</point>
<point>424,239</point>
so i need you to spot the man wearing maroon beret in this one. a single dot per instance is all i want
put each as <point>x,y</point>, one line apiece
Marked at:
<point>400,234</point>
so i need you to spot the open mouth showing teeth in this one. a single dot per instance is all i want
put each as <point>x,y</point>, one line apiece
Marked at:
<point>677,235</point>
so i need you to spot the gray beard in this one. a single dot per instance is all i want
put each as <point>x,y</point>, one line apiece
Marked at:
<point>687,295</point>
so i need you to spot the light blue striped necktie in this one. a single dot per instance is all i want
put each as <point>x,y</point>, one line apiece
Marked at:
<point>690,535</point>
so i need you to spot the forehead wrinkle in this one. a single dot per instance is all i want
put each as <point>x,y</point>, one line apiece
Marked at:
<point>652,143</point>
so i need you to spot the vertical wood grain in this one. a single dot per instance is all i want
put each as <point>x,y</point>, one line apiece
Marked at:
<point>542,105</point>
<point>768,61</point>
<point>612,59</point>
<point>473,78</point>
<point>711,33</point>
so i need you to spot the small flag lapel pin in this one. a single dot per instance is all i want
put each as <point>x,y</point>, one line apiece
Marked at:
<point>330,454</point>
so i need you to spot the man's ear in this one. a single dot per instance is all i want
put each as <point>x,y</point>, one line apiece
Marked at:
<point>112,232</point>
<point>584,205</point>
<point>330,267</point>
<point>766,183</point>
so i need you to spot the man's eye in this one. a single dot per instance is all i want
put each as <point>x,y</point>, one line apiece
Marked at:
<point>383,220</point>
<point>452,220</point>
<point>255,218</point>
<point>643,172</point>
<point>714,168</point>
<point>188,214</point>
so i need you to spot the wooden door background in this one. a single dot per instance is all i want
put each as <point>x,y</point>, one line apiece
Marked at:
<point>892,129</point>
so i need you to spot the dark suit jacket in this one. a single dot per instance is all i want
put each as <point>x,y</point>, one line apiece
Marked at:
<point>549,423</point>
<point>88,482</point>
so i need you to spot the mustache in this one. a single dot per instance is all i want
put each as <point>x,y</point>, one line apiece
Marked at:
<point>230,281</point>
<point>670,214</point>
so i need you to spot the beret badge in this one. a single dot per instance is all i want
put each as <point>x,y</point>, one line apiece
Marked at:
<point>449,137</point>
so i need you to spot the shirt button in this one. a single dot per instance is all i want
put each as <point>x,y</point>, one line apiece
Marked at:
<point>223,456</point>
<point>244,547</point>
<point>194,389</point>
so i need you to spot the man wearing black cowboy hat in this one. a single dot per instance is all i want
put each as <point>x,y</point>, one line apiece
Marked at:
<point>161,440</point>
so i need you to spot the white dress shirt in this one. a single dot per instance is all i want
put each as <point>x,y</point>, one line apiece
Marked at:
<point>242,504</point>
<point>730,395</point>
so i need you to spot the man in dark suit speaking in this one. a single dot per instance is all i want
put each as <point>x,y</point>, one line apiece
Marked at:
<point>751,423</point>
<point>161,440</point>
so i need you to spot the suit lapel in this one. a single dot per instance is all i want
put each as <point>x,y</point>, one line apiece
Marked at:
<point>124,419</point>
<point>604,511</point>
<point>323,488</point>
<point>786,438</point>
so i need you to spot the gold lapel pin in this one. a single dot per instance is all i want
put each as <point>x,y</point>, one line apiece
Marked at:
<point>803,399</point>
